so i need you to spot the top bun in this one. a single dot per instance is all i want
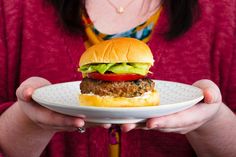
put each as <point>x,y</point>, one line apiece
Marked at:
<point>118,50</point>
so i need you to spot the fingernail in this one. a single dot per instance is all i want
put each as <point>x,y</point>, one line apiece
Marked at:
<point>79,122</point>
<point>125,129</point>
<point>153,126</point>
<point>210,96</point>
<point>27,94</point>
<point>107,126</point>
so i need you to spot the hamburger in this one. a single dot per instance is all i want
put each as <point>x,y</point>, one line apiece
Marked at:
<point>115,75</point>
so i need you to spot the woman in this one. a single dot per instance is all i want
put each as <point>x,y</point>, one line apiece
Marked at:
<point>190,41</point>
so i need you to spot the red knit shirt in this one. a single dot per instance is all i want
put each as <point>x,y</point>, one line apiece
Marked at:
<point>32,43</point>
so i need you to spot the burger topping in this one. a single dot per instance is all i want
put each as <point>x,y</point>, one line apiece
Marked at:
<point>117,68</point>
<point>101,68</point>
<point>114,77</point>
<point>117,89</point>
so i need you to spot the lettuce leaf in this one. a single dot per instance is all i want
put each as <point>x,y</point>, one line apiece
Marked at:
<point>101,68</point>
<point>118,68</point>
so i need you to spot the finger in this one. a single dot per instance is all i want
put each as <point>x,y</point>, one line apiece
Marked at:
<point>55,119</point>
<point>43,116</point>
<point>58,129</point>
<point>131,126</point>
<point>174,130</point>
<point>184,130</point>
<point>211,96</point>
<point>89,125</point>
<point>128,127</point>
<point>181,119</point>
<point>27,94</point>
<point>59,122</point>
<point>106,126</point>
<point>25,90</point>
<point>210,90</point>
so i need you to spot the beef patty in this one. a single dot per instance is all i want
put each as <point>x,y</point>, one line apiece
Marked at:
<point>117,89</point>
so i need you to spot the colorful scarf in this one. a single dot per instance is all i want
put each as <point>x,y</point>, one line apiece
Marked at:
<point>142,32</point>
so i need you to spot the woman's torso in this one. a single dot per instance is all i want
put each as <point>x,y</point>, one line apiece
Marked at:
<point>46,50</point>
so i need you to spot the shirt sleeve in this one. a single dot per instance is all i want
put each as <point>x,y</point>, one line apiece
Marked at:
<point>10,25</point>
<point>10,37</point>
<point>231,87</point>
<point>231,84</point>
<point>3,57</point>
<point>4,101</point>
<point>3,107</point>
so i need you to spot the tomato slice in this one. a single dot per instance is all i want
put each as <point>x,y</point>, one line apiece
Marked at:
<point>114,77</point>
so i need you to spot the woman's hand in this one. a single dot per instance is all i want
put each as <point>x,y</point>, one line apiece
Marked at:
<point>190,119</point>
<point>34,123</point>
<point>40,116</point>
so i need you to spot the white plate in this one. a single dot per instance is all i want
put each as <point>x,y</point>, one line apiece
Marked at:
<point>62,98</point>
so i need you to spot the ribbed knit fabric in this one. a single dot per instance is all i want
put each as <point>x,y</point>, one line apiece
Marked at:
<point>32,43</point>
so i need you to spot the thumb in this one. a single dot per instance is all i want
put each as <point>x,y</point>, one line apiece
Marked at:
<point>25,90</point>
<point>212,95</point>
<point>211,91</point>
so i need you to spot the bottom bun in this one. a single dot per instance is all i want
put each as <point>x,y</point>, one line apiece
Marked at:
<point>148,99</point>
